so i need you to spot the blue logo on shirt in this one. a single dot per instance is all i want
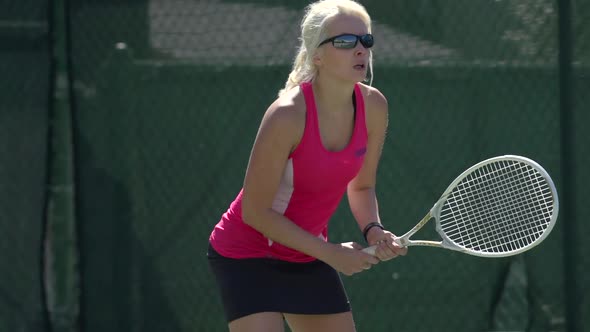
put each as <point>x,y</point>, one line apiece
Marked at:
<point>360,152</point>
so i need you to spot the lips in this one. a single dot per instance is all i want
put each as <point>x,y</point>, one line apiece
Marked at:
<point>360,66</point>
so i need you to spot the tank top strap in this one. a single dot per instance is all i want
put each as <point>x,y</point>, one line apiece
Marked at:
<point>359,119</point>
<point>311,110</point>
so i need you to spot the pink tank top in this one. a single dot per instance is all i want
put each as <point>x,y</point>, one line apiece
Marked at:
<point>312,186</point>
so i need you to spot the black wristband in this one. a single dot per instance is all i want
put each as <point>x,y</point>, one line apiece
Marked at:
<point>369,226</point>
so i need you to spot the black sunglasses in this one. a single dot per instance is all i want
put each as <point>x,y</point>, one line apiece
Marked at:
<point>349,41</point>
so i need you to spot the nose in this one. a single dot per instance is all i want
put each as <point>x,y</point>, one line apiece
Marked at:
<point>360,49</point>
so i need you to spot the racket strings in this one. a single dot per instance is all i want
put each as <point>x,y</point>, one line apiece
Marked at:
<point>487,216</point>
<point>505,201</point>
<point>500,207</point>
<point>500,227</point>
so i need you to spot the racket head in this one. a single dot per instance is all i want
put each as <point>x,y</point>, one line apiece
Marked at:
<point>499,207</point>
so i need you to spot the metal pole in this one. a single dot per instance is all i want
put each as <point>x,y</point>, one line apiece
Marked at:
<point>567,165</point>
<point>60,243</point>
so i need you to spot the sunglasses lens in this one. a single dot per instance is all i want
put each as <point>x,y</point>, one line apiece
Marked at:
<point>367,40</point>
<point>345,41</point>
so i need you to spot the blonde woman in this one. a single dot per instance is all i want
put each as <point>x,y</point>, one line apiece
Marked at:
<point>320,139</point>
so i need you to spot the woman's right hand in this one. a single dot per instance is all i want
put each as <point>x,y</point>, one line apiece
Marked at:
<point>348,258</point>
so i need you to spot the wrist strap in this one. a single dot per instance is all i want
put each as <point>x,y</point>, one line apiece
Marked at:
<point>369,226</point>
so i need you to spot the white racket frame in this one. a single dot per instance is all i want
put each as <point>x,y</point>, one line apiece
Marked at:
<point>447,243</point>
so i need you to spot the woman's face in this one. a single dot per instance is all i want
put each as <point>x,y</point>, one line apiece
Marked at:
<point>341,63</point>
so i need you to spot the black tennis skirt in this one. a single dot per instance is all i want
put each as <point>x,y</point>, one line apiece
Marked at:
<point>253,285</point>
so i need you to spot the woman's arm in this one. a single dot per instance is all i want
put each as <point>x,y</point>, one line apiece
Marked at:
<point>361,190</point>
<point>279,132</point>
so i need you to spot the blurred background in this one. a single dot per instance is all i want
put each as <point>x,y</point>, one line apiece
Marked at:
<point>126,126</point>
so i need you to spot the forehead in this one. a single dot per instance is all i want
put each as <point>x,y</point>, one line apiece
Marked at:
<point>345,23</point>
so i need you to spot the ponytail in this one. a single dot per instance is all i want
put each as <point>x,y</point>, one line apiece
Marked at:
<point>303,70</point>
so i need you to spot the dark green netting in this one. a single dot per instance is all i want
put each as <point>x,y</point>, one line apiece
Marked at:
<point>167,97</point>
<point>24,86</point>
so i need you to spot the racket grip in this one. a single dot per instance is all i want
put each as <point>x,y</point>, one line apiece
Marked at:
<point>371,250</point>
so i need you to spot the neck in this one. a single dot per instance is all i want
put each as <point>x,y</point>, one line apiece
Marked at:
<point>333,95</point>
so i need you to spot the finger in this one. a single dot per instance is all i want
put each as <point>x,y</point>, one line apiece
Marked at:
<point>384,253</point>
<point>400,250</point>
<point>397,248</point>
<point>393,246</point>
<point>388,258</point>
<point>389,255</point>
<point>397,251</point>
<point>356,246</point>
<point>373,260</point>
<point>378,245</point>
<point>393,249</point>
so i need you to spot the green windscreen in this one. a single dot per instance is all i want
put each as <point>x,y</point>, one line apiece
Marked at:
<point>166,99</point>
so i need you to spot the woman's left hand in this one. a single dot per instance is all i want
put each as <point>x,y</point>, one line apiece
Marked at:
<point>387,248</point>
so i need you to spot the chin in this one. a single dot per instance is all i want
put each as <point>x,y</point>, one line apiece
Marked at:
<point>360,78</point>
<point>354,78</point>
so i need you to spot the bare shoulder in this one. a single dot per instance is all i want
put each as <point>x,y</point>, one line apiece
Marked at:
<point>286,116</point>
<point>287,110</point>
<point>376,106</point>
<point>374,99</point>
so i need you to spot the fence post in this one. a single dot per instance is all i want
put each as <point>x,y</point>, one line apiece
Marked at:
<point>567,165</point>
<point>60,244</point>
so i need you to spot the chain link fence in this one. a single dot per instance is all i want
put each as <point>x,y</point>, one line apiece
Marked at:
<point>168,95</point>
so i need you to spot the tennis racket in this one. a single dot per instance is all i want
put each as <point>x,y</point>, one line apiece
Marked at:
<point>499,207</point>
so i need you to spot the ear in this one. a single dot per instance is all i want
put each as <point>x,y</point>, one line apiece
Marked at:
<point>317,58</point>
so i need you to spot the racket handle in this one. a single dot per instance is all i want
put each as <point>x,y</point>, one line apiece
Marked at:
<point>371,250</point>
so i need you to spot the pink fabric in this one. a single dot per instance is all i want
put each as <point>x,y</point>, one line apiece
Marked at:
<point>312,187</point>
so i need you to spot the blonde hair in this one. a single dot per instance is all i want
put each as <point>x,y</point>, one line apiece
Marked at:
<point>313,31</point>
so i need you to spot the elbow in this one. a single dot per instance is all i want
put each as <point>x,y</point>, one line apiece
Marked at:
<point>361,188</point>
<point>257,218</point>
<point>255,213</point>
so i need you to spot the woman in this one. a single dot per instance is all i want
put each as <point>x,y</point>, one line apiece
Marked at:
<point>321,138</point>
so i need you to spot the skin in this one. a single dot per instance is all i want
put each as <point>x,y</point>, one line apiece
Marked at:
<point>280,132</point>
